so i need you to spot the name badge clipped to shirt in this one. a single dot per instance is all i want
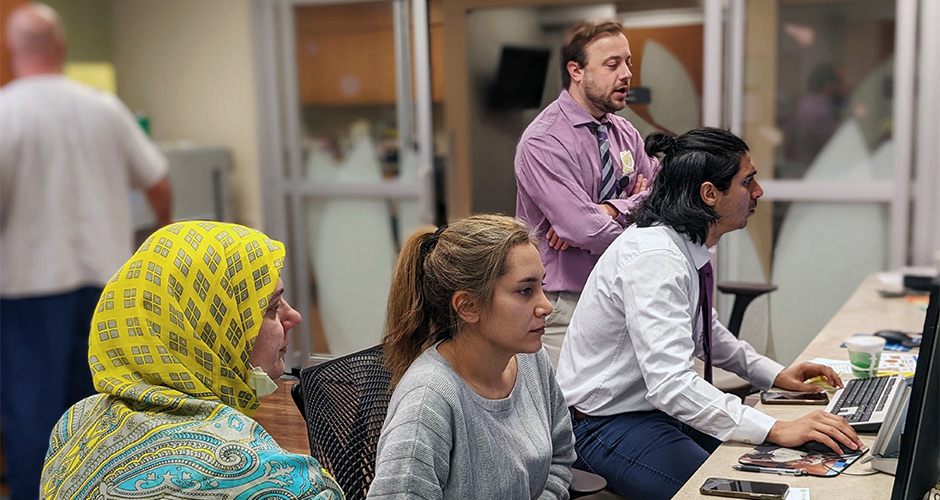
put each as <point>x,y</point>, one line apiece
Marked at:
<point>626,159</point>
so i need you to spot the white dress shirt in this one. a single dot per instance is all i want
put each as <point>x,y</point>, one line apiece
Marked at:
<point>633,334</point>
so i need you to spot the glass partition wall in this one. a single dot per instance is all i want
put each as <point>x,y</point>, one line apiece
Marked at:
<point>836,99</point>
<point>826,101</point>
<point>348,157</point>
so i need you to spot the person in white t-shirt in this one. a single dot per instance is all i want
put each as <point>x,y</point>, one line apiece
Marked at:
<point>642,417</point>
<point>68,155</point>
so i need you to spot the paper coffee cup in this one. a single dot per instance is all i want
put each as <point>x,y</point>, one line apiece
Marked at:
<point>865,354</point>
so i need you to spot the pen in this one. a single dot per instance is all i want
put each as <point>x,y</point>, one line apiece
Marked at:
<point>769,470</point>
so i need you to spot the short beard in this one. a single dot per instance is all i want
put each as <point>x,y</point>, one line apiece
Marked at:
<point>606,105</point>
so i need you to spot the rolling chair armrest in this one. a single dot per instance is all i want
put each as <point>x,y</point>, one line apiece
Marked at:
<point>296,393</point>
<point>585,483</point>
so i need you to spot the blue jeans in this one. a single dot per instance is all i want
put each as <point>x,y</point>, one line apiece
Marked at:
<point>642,455</point>
<point>43,371</point>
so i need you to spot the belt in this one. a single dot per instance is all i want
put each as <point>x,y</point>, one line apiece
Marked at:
<point>577,415</point>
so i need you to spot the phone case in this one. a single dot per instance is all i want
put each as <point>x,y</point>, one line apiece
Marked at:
<point>783,401</point>
<point>742,494</point>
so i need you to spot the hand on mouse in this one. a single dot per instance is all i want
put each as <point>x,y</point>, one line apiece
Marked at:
<point>794,378</point>
<point>817,425</point>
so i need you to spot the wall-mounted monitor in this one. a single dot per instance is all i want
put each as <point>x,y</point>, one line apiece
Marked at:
<point>520,78</point>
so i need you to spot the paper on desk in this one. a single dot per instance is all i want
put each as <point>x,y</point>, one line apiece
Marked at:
<point>841,366</point>
<point>897,362</point>
<point>894,362</point>
<point>798,494</point>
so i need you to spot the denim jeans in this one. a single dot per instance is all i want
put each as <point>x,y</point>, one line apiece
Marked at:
<point>642,455</point>
<point>43,371</point>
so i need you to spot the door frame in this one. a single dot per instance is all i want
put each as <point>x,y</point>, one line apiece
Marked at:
<point>284,188</point>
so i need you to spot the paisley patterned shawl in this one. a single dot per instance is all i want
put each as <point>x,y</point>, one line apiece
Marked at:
<point>168,350</point>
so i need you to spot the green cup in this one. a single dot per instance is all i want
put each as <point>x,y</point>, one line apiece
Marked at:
<point>865,354</point>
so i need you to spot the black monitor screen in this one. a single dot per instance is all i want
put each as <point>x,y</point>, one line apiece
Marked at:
<point>520,78</point>
<point>919,460</point>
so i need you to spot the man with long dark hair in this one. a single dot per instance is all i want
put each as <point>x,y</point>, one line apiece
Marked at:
<point>642,417</point>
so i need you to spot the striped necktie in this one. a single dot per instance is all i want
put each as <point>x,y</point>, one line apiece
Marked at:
<point>608,188</point>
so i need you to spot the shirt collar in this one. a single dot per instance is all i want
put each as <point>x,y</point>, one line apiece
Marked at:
<point>576,114</point>
<point>697,254</point>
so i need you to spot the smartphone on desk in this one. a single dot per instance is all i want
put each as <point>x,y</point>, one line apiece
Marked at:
<point>794,397</point>
<point>737,488</point>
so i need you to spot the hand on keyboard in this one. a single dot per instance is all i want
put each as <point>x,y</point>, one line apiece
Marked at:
<point>794,378</point>
<point>823,382</point>
<point>866,402</point>
<point>817,425</point>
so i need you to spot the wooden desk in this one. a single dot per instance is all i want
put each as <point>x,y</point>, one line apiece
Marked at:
<point>280,417</point>
<point>865,311</point>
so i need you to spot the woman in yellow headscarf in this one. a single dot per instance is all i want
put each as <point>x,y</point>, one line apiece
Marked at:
<point>186,336</point>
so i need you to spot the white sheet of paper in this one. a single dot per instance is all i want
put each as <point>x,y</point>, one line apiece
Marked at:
<point>842,366</point>
<point>798,494</point>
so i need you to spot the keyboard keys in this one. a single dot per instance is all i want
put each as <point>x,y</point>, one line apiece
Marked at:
<point>863,401</point>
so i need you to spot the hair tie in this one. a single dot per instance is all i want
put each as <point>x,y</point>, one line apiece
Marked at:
<point>429,244</point>
<point>672,149</point>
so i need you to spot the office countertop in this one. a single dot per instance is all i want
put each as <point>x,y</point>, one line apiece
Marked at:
<point>865,311</point>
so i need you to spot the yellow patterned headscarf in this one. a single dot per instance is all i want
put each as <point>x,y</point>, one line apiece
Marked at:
<point>179,319</point>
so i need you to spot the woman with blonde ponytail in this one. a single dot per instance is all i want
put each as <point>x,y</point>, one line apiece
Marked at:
<point>476,412</point>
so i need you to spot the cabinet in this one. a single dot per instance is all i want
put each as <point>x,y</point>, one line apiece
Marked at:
<point>346,53</point>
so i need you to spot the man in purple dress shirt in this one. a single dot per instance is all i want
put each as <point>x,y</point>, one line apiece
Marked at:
<point>559,170</point>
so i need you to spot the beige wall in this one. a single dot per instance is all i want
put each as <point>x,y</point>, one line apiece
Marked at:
<point>189,66</point>
<point>88,29</point>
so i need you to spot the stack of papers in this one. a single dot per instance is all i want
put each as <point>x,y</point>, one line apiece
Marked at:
<point>895,362</point>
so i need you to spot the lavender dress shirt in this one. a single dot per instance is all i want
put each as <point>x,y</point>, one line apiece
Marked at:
<point>558,175</point>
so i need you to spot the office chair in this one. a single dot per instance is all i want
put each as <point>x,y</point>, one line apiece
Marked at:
<point>744,293</point>
<point>344,402</point>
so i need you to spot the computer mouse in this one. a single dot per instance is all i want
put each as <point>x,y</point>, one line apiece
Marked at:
<point>895,337</point>
<point>817,447</point>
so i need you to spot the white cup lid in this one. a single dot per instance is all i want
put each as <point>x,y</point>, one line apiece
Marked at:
<point>865,341</point>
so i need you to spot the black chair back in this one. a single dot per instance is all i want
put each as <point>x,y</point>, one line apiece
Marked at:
<point>344,402</point>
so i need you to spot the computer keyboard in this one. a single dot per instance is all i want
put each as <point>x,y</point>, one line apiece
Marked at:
<point>866,402</point>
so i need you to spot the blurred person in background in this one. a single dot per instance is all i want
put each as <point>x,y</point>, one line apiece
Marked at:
<point>68,155</point>
<point>814,122</point>
<point>581,170</point>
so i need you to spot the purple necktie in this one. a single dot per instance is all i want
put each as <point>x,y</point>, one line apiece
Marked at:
<point>705,287</point>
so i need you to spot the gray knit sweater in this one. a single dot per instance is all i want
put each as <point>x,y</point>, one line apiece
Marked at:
<point>442,440</point>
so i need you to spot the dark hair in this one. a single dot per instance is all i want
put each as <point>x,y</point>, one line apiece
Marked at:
<point>690,160</point>
<point>469,255</point>
<point>577,39</point>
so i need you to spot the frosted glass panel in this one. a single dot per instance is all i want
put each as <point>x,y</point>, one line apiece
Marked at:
<point>821,254</point>
<point>834,66</point>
